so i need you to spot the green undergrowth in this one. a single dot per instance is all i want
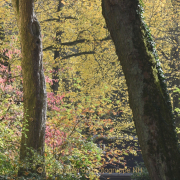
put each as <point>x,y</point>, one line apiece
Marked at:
<point>143,174</point>
<point>35,176</point>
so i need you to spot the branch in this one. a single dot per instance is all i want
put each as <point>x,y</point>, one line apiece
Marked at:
<point>75,42</point>
<point>53,19</point>
<point>58,19</point>
<point>129,132</point>
<point>78,54</point>
<point>65,143</point>
<point>4,57</point>
<point>4,116</point>
<point>164,55</point>
<point>66,44</point>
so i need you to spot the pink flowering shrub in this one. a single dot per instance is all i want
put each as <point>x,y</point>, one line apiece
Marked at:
<point>54,137</point>
<point>54,101</point>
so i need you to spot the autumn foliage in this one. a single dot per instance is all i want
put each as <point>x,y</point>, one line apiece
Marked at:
<point>92,94</point>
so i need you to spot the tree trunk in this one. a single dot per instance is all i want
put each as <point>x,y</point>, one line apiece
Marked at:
<point>175,82</point>
<point>57,53</point>
<point>175,62</point>
<point>148,96</point>
<point>33,84</point>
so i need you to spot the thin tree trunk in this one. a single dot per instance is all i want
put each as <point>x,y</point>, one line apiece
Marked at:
<point>148,96</point>
<point>57,54</point>
<point>34,88</point>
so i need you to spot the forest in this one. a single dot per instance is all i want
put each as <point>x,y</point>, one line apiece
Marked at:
<point>76,73</point>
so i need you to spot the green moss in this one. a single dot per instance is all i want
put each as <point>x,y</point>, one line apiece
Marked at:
<point>162,111</point>
<point>156,68</point>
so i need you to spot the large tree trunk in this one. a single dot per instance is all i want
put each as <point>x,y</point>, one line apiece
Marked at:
<point>148,96</point>
<point>175,82</point>
<point>175,62</point>
<point>33,82</point>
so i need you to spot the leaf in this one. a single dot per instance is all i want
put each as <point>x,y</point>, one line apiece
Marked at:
<point>63,2</point>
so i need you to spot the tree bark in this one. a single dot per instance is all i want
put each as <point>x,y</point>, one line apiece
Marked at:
<point>148,96</point>
<point>34,87</point>
<point>57,53</point>
<point>174,63</point>
<point>175,82</point>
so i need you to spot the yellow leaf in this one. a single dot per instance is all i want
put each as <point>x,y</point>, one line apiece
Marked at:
<point>63,2</point>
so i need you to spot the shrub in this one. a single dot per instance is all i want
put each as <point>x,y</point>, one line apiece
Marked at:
<point>144,175</point>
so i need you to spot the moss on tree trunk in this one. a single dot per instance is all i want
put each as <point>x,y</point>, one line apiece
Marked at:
<point>148,96</point>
